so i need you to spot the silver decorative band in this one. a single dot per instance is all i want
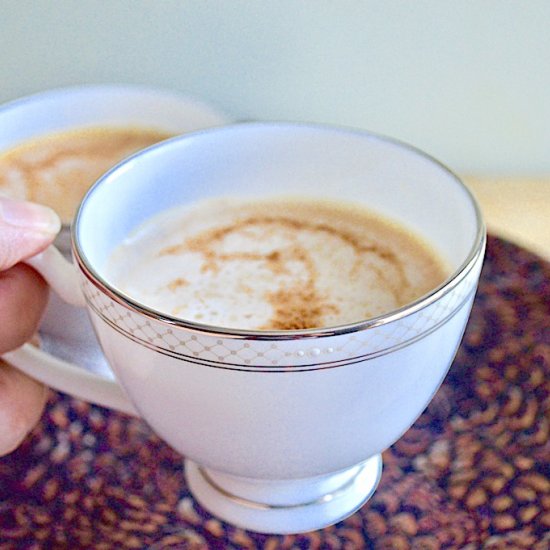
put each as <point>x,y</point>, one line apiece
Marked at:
<point>318,365</point>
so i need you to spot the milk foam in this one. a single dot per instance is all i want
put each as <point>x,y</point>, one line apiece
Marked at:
<point>277,264</point>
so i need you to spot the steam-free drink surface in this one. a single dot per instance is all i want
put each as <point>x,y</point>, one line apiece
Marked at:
<point>277,264</point>
<point>58,168</point>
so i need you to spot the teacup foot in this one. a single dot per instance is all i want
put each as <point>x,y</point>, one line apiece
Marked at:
<point>284,507</point>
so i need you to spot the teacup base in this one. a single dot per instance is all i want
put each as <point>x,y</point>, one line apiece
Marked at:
<point>284,507</point>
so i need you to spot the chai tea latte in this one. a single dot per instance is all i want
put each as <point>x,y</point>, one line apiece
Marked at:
<point>58,168</point>
<point>276,264</point>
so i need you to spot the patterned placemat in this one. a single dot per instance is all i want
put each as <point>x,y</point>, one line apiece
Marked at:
<point>473,472</point>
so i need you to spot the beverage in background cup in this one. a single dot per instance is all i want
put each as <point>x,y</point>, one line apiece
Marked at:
<point>278,264</point>
<point>57,169</point>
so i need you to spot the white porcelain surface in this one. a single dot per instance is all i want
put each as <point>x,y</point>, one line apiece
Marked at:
<point>268,409</point>
<point>260,412</point>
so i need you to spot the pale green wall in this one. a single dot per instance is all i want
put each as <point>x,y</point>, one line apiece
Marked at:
<point>468,81</point>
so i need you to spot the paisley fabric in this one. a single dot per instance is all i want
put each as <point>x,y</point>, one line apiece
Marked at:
<point>473,471</point>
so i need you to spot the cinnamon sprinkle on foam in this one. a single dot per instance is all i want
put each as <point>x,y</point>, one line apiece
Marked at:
<point>282,264</point>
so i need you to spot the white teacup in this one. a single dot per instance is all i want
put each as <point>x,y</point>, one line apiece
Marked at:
<point>282,431</point>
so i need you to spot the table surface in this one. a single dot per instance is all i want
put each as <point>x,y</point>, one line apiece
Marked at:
<point>517,209</point>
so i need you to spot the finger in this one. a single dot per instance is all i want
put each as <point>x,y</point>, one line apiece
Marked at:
<point>25,230</point>
<point>22,401</point>
<point>23,297</point>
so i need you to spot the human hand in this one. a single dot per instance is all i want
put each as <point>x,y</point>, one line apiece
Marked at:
<point>25,230</point>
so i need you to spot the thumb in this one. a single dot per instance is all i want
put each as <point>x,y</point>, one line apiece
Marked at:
<point>26,229</point>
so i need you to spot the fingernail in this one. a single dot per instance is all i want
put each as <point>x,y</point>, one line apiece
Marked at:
<point>29,215</point>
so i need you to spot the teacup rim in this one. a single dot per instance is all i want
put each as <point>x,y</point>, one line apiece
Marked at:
<point>108,87</point>
<point>460,273</point>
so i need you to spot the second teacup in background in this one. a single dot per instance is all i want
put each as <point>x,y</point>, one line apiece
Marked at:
<point>55,144</point>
